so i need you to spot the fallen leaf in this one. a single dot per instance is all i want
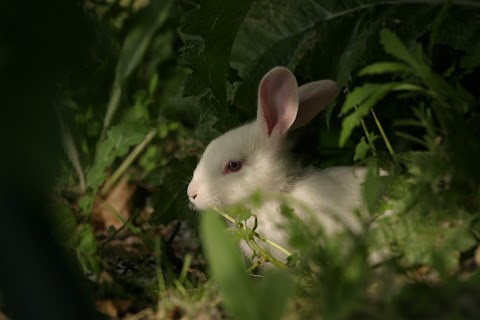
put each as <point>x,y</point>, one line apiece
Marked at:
<point>107,307</point>
<point>117,202</point>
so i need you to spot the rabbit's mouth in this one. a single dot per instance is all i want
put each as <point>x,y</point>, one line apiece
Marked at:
<point>193,207</point>
<point>200,203</point>
<point>204,203</point>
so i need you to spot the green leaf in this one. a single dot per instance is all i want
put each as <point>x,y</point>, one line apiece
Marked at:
<point>211,30</point>
<point>359,95</point>
<point>408,87</point>
<point>85,244</point>
<point>239,212</point>
<point>371,189</point>
<point>139,37</point>
<point>286,52</point>
<point>369,94</point>
<point>149,159</point>
<point>366,97</point>
<point>86,240</point>
<point>394,46</point>
<point>361,150</point>
<point>86,202</point>
<point>227,266</point>
<point>440,88</point>
<point>320,39</point>
<point>273,293</point>
<point>153,84</point>
<point>134,47</point>
<point>423,239</point>
<point>315,39</point>
<point>293,259</point>
<point>120,139</point>
<point>384,67</point>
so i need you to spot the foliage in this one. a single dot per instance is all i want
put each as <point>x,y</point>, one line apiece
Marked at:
<point>244,299</point>
<point>422,220</point>
<point>211,31</point>
<point>425,200</point>
<point>164,77</point>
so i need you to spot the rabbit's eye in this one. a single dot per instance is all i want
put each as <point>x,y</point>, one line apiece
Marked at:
<point>233,166</point>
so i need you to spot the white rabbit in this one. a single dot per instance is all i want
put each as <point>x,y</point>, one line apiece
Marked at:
<point>253,157</point>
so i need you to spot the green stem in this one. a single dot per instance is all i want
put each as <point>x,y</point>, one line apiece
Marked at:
<point>111,108</point>
<point>411,138</point>
<point>127,162</point>
<point>161,280</point>
<point>273,244</point>
<point>72,153</point>
<point>367,134</point>
<point>384,136</point>
<point>254,266</point>
<point>186,265</point>
<point>268,257</point>
<point>226,216</point>
<point>252,242</point>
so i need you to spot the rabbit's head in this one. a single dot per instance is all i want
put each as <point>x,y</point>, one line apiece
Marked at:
<point>252,157</point>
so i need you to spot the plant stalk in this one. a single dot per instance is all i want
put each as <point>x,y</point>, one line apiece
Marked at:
<point>127,162</point>
<point>384,136</point>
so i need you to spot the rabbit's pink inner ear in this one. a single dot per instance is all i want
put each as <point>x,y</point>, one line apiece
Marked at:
<point>277,101</point>
<point>314,97</point>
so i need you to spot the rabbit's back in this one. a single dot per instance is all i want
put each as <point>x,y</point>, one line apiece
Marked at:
<point>334,195</point>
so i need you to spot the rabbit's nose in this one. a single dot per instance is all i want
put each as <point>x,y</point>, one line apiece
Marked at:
<point>192,190</point>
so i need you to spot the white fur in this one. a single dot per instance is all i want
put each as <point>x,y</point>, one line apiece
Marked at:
<point>333,194</point>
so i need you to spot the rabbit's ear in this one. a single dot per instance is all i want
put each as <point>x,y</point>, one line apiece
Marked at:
<point>313,98</point>
<point>277,102</point>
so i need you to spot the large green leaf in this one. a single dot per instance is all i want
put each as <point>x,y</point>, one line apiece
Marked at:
<point>210,32</point>
<point>85,244</point>
<point>319,39</point>
<point>133,50</point>
<point>244,299</point>
<point>396,48</point>
<point>366,97</point>
<point>273,294</point>
<point>423,239</point>
<point>227,266</point>
<point>119,140</point>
